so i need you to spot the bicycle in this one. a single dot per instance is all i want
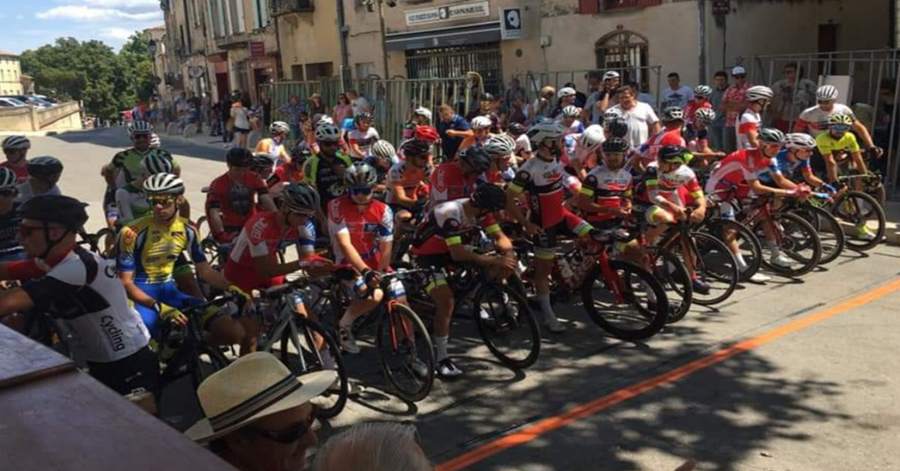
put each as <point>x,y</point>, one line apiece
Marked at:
<point>92,241</point>
<point>793,235</point>
<point>831,234</point>
<point>858,209</point>
<point>724,228</point>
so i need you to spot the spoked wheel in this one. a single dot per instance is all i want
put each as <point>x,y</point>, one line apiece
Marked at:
<point>207,361</point>
<point>631,305</point>
<point>311,349</point>
<point>862,219</point>
<point>507,325</point>
<point>406,354</point>
<point>831,235</point>
<point>676,280</point>
<point>797,240</point>
<point>748,244</point>
<point>714,264</point>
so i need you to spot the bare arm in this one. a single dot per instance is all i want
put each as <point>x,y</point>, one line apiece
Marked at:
<point>134,293</point>
<point>350,253</point>
<point>13,301</point>
<point>266,202</point>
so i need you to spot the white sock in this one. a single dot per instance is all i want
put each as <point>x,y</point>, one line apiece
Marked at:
<point>741,263</point>
<point>440,346</point>
<point>546,307</point>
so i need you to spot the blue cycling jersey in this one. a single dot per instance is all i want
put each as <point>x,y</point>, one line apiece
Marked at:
<point>782,164</point>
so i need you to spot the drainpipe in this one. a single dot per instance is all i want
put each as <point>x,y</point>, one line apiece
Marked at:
<point>342,31</point>
<point>701,11</point>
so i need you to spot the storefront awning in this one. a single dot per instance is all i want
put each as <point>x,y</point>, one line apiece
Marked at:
<point>444,37</point>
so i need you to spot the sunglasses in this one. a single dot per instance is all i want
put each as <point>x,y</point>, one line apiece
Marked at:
<point>26,230</point>
<point>9,193</point>
<point>329,144</point>
<point>291,435</point>
<point>740,76</point>
<point>840,127</point>
<point>360,191</point>
<point>140,136</point>
<point>161,200</point>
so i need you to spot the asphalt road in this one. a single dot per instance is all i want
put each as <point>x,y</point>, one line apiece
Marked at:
<point>791,375</point>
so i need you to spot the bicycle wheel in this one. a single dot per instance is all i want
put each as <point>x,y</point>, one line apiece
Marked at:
<point>201,221</point>
<point>310,348</point>
<point>748,244</point>
<point>797,239</point>
<point>205,362</point>
<point>632,305</point>
<point>862,219</point>
<point>675,279</point>
<point>406,353</point>
<point>507,325</point>
<point>714,264</point>
<point>831,235</point>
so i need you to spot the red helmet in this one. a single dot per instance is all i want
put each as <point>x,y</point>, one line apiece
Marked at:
<point>427,134</point>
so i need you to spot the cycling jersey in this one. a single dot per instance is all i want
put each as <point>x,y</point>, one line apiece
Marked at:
<point>448,183</point>
<point>407,176</point>
<point>657,187</point>
<point>260,237</point>
<point>21,171</point>
<point>283,175</point>
<point>545,181</point>
<point>131,204</point>
<point>236,200</point>
<point>362,139</point>
<point>750,121</point>
<point>572,151</point>
<point>737,170</point>
<point>499,177</point>
<point>446,225</point>
<point>26,191</point>
<point>10,247</point>
<point>814,121</point>
<point>326,175</point>
<point>697,139</point>
<point>150,248</point>
<point>606,188</point>
<point>827,144</point>
<point>784,164</point>
<point>126,165</point>
<point>275,150</point>
<point>650,149</point>
<point>691,109</point>
<point>575,128</point>
<point>367,225</point>
<point>85,293</point>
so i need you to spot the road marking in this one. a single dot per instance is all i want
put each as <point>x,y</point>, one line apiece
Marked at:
<point>589,408</point>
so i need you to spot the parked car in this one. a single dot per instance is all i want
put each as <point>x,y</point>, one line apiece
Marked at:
<point>53,101</point>
<point>10,102</point>
<point>31,100</point>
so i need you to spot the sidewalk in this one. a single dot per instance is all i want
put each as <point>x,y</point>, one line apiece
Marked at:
<point>892,216</point>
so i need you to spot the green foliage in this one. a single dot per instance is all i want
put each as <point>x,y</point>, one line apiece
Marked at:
<point>91,71</point>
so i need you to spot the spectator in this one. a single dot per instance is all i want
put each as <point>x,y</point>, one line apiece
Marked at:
<point>342,110</point>
<point>643,97</point>
<point>227,120</point>
<point>793,94</point>
<point>717,127</point>
<point>316,105</point>
<point>517,112</point>
<point>453,129</point>
<point>733,103</point>
<point>580,98</point>
<point>884,118</point>
<point>215,117</point>
<point>358,102</point>
<point>676,94</point>
<point>515,91</point>
<point>205,107</point>
<point>241,116</point>
<point>642,120</point>
<point>566,96</point>
<point>603,98</point>
<point>291,112</point>
<point>256,418</point>
<point>181,104</point>
<point>379,446</point>
<point>265,104</point>
<point>542,105</point>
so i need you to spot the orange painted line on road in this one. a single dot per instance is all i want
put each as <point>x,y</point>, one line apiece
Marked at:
<point>589,408</point>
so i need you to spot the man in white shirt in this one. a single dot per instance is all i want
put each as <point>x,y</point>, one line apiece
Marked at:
<point>358,103</point>
<point>642,120</point>
<point>677,94</point>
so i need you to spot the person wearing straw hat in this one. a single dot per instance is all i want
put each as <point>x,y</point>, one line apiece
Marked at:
<point>258,414</point>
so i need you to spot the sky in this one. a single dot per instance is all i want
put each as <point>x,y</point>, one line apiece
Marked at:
<point>29,24</point>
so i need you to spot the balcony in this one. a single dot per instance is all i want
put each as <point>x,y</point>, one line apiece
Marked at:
<point>614,5</point>
<point>233,41</point>
<point>282,7</point>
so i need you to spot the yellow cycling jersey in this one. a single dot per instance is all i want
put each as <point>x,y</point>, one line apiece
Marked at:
<point>827,144</point>
<point>150,249</point>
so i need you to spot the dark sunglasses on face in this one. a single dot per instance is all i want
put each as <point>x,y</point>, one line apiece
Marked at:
<point>840,127</point>
<point>140,136</point>
<point>291,435</point>
<point>740,76</point>
<point>360,191</point>
<point>160,200</point>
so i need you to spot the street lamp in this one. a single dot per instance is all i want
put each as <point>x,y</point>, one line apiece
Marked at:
<point>151,48</point>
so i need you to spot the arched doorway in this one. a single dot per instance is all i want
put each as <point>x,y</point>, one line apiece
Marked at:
<point>626,52</point>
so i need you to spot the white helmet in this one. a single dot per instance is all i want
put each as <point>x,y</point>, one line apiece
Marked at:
<point>422,111</point>
<point>704,115</point>
<point>481,122</point>
<point>279,127</point>
<point>499,145</point>
<point>328,133</point>
<point>759,92</point>
<point>570,111</point>
<point>8,179</point>
<point>613,113</point>
<point>565,91</point>
<point>154,141</point>
<point>383,150</point>
<point>545,130</point>
<point>592,138</point>
<point>163,184</point>
<point>771,136</point>
<point>799,140</point>
<point>16,142</point>
<point>323,120</point>
<point>703,90</point>
<point>827,93</point>
<point>360,175</point>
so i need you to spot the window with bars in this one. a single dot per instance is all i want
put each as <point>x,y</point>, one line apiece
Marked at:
<point>626,52</point>
<point>609,5</point>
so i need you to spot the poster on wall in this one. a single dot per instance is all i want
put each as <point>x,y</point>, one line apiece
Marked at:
<point>511,26</point>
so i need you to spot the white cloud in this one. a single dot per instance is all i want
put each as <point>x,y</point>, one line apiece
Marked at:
<point>132,4</point>
<point>86,13</point>
<point>118,34</point>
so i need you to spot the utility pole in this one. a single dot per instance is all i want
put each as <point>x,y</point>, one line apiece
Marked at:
<point>342,32</point>
<point>701,11</point>
<point>387,73</point>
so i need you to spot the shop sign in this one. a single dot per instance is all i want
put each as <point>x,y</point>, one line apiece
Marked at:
<point>257,49</point>
<point>511,26</point>
<point>458,11</point>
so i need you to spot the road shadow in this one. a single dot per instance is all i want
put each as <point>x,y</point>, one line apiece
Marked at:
<point>116,138</point>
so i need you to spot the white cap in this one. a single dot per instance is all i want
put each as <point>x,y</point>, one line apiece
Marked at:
<point>610,74</point>
<point>738,70</point>
<point>566,91</point>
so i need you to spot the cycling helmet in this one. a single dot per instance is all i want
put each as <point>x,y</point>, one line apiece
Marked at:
<point>672,113</point>
<point>383,150</point>
<point>300,198</point>
<point>421,111</point>
<point>16,143</point>
<point>827,93</point>
<point>363,117</point>
<point>537,133</point>
<point>566,92</point>
<point>263,160</point>
<point>347,124</point>
<point>300,154</point>
<point>840,119</point>
<point>799,140</point>
<point>703,91</point>
<point>617,127</point>
<point>279,127</point>
<point>360,175</point>
<point>427,134</point>
<point>516,129</point>
<point>163,184</point>
<point>477,158</point>
<point>8,179</point>
<point>415,148</point>
<point>481,122</point>
<point>570,111</point>
<point>616,145</point>
<point>490,197</point>
<point>613,113</point>
<point>140,127</point>
<point>154,163</point>
<point>56,209</point>
<point>771,136</point>
<point>154,141</point>
<point>324,119</point>
<point>44,167</point>
<point>239,157</point>
<point>499,146</point>
<point>591,138</point>
<point>704,115</point>
<point>328,133</point>
<point>759,92</point>
<point>673,154</point>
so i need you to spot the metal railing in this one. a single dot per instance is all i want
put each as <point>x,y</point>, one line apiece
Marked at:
<point>649,76</point>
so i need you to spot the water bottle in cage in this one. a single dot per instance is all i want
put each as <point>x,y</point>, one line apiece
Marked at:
<point>565,269</point>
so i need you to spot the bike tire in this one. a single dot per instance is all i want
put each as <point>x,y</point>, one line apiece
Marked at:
<point>200,370</point>
<point>654,316</point>
<point>791,245</point>
<point>748,244</point>
<point>496,322</point>
<point>309,360</point>
<point>422,349</point>
<point>716,265</point>
<point>847,210</point>
<point>831,234</point>
<point>676,280</point>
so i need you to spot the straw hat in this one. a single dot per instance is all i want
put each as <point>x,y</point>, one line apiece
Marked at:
<point>253,387</point>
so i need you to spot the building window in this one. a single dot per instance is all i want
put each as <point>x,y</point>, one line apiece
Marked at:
<point>625,4</point>
<point>626,52</point>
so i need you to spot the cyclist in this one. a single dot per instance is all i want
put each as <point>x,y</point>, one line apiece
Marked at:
<point>253,263</point>
<point>499,148</point>
<point>405,178</point>
<point>43,174</point>
<point>545,181</point>
<point>289,171</point>
<point>234,196</point>
<point>795,157</point>
<point>758,99</point>
<point>698,138</point>
<point>815,120</point>
<point>16,149</point>
<point>439,243</point>
<point>148,250</point>
<point>458,178</point>
<point>383,157</point>
<point>670,135</point>
<point>10,217</point>
<point>275,146</point>
<point>570,121</point>
<point>523,145</point>
<point>81,289</point>
<point>836,140</point>
<point>325,170</point>
<point>580,150</point>
<point>362,136</point>
<point>362,231</point>
<point>481,130</point>
<point>700,101</point>
<point>605,196</point>
<point>131,201</point>
<point>420,117</point>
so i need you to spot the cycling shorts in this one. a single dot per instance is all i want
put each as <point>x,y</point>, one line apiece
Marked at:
<point>354,287</point>
<point>166,293</point>
<point>645,212</point>
<point>571,226</point>
<point>109,203</point>
<point>139,370</point>
<point>438,263</point>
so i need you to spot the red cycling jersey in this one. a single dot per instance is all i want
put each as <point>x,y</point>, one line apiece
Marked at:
<point>236,200</point>
<point>260,237</point>
<point>367,225</point>
<point>545,181</point>
<point>21,171</point>
<point>736,170</point>
<point>650,150</point>
<point>448,183</point>
<point>691,109</point>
